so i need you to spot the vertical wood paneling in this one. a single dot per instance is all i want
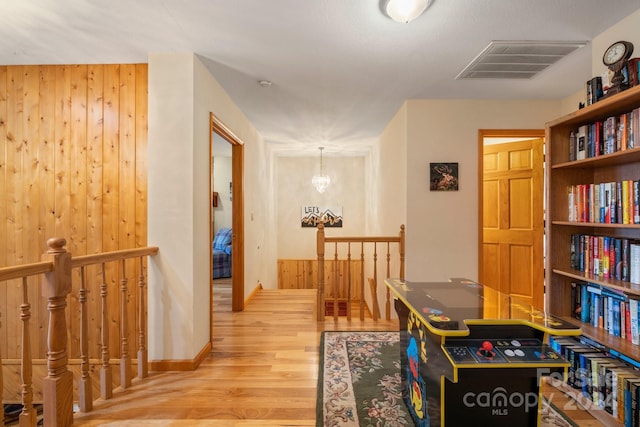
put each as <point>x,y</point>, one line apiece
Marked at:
<point>142,127</point>
<point>46,153</point>
<point>95,97</point>
<point>73,164</point>
<point>62,152</point>
<point>15,190</point>
<point>62,157</point>
<point>3,200</point>
<point>110,195</point>
<point>78,193</point>
<point>142,130</point>
<point>127,184</point>
<point>31,172</point>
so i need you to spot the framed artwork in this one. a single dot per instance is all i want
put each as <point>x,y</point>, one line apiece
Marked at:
<point>443,176</point>
<point>314,215</point>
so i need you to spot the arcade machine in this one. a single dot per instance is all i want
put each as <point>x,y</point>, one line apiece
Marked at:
<point>472,354</point>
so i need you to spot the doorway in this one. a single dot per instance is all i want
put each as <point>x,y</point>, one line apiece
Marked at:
<point>233,193</point>
<point>511,213</point>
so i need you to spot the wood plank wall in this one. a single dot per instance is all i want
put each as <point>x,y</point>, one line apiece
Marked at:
<point>73,142</point>
<point>303,274</point>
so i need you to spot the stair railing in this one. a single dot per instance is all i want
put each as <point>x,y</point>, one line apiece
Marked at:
<point>367,246</point>
<point>57,388</point>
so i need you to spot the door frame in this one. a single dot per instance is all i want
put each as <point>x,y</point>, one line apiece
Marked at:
<point>497,133</point>
<point>237,205</point>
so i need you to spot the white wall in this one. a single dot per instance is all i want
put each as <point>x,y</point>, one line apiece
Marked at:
<point>442,227</point>
<point>294,190</point>
<point>222,173</point>
<point>388,179</point>
<point>182,93</point>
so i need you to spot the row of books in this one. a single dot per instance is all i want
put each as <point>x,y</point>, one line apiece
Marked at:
<point>598,86</point>
<point>606,309</point>
<point>604,380</point>
<point>606,257</point>
<point>615,133</point>
<point>605,203</point>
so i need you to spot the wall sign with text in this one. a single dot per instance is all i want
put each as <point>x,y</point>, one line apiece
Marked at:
<point>314,215</point>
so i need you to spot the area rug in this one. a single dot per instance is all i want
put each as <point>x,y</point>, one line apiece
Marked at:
<point>359,383</point>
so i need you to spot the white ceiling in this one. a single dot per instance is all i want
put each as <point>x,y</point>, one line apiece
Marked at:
<point>340,69</point>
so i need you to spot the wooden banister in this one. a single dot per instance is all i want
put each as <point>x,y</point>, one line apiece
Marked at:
<point>365,242</point>
<point>55,271</point>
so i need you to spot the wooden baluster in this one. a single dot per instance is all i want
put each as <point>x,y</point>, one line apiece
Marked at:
<point>387,306</point>
<point>143,368</point>
<point>334,281</point>
<point>28,415</point>
<point>84,385</point>
<point>320,252</point>
<point>374,294</point>
<point>402,252</point>
<point>362,281</point>
<point>106,374</point>
<point>349,281</point>
<point>57,386</point>
<point>125,360</point>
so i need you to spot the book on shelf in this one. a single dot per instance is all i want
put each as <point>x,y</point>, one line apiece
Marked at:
<point>605,257</point>
<point>600,377</point>
<point>634,263</point>
<point>609,310</point>
<point>605,202</point>
<point>615,133</point>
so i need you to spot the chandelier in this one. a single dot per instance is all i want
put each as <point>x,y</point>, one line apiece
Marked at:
<point>321,181</point>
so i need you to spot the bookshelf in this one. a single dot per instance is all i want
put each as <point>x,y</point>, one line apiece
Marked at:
<point>564,172</point>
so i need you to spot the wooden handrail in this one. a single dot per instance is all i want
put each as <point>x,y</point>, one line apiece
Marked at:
<point>25,270</point>
<point>322,240</point>
<point>85,260</point>
<point>57,387</point>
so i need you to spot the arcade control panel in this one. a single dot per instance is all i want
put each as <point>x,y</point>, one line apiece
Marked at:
<point>504,351</point>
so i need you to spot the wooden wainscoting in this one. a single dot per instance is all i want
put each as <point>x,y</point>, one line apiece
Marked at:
<point>303,274</point>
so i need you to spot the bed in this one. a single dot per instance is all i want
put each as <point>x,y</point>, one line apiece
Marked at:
<point>222,253</point>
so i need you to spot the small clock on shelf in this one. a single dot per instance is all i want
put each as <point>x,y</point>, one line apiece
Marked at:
<point>616,57</point>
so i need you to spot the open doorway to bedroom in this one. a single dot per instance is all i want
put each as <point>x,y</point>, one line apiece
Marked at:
<point>226,215</point>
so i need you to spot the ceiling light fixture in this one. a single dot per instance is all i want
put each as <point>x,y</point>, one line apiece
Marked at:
<point>321,181</point>
<point>404,10</point>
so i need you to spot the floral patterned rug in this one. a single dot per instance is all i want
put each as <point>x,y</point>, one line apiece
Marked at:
<point>359,382</point>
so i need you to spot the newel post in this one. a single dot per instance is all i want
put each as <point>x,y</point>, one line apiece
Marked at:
<point>320,251</point>
<point>57,386</point>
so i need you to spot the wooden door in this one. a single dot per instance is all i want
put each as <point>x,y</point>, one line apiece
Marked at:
<point>513,220</point>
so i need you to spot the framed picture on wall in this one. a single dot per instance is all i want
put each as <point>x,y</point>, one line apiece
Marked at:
<point>443,176</point>
<point>314,215</point>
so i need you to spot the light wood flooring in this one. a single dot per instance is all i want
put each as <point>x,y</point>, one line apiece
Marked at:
<point>263,370</point>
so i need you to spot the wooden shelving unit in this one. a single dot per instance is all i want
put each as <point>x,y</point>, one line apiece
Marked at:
<point>562,173</point>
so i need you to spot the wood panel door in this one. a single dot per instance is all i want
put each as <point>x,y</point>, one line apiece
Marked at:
<point>513,220</point>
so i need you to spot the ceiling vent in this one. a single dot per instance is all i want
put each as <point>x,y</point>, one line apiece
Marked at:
<point>516,59</point>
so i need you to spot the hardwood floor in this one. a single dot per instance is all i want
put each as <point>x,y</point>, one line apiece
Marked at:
<point>262,371</point>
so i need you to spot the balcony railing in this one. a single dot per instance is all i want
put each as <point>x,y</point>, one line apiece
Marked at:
<point>367,250</point>
<point>56,390</point>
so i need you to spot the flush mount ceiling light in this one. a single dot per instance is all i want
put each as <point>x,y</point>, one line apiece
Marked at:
<point>321,181</point>
<point>404,10</point>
